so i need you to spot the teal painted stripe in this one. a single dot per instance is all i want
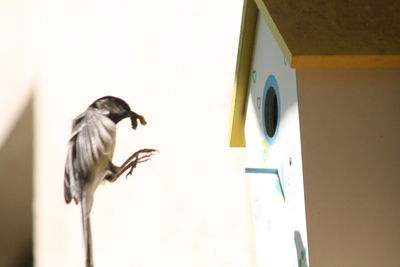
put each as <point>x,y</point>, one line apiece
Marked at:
<point>261,170</point>
<point>270,171</point>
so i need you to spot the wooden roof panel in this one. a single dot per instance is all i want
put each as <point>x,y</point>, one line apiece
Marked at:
<point>334,28</point>
<point>349,27</point>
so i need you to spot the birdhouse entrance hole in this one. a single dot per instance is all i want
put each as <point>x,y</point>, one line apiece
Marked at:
<point>270,109</point>
<point>271,112</point>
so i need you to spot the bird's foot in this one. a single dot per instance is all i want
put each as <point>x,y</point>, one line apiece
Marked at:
<point>140,156</point>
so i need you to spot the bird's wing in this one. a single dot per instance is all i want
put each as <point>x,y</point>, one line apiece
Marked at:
<point>92,132</point>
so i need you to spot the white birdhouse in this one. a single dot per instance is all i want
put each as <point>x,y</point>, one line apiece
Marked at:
<point>316,105</point>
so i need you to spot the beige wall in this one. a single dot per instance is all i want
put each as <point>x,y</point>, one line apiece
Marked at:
<point>173,62</point>
<point>16,132</point>
<point>16,61</point>
<point>350,129</point>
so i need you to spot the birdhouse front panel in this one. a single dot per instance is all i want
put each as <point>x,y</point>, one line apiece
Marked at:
<point>274,164</point>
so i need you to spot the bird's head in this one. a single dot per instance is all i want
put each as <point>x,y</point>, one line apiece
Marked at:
<point>117,109</point>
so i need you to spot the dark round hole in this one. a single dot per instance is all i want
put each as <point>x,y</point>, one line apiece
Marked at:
<point>271,112</point>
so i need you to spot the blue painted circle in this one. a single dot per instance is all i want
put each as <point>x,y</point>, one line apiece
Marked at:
<point>271,83</point>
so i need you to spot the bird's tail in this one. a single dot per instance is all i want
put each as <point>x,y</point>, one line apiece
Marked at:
<point>87,234</point>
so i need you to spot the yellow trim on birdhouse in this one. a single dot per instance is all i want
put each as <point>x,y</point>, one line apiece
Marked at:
<point>347,61</point>
<point>239,99</point>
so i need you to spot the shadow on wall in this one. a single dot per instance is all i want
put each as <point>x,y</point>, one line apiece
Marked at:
<point>16,179</point>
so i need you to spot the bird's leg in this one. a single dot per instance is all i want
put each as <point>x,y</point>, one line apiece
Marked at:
<point>131,162</point>
<point>110,173</point>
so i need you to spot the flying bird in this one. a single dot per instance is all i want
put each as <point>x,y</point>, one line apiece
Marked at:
<point>90,152</point>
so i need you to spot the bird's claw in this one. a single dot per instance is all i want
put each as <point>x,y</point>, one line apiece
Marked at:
<point>138,158</point>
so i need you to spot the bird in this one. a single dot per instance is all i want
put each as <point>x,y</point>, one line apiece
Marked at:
<point>89,156</point>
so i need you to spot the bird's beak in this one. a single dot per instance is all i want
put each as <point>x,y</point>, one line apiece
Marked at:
<point>135,117</point>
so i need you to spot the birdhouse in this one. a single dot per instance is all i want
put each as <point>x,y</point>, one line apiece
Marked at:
<point>317,106</point>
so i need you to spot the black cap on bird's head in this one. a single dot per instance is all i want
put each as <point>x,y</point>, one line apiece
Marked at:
<point>118,109</point>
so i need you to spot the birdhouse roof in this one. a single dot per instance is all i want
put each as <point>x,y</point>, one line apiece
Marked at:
<point>318,34</point>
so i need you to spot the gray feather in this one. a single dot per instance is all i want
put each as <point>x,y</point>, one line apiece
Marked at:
<point>91,134</point>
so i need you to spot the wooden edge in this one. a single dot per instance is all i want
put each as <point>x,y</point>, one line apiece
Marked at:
<point>274,29</point>
<point>346,61</point>
<point>242,74</point>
